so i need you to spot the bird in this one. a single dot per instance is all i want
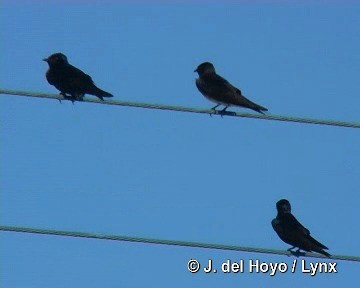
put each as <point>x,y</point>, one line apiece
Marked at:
<point>290,230</point>
<point>71,80</point>
<point>219,90</point>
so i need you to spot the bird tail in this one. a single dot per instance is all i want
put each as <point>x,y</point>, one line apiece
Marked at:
<point>258,108</point>
<point>321,251</point>
<point>255,107</point>
<point>317,243</point>
<point>318,247</point>
<point>99,93</point>
<point>243,101</point>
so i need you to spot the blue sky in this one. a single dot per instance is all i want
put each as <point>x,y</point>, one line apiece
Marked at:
<point>170,175</point>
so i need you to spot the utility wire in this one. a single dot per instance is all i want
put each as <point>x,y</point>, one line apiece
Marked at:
<point>168,242</point>
<point>189,109</point>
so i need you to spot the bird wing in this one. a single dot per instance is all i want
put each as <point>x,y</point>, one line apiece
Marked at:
<point>296,225</point>
<point>223,91</point>
<point>302,231</point>
<point>235,97</point>
<point>285,232</point>
<point>291,231</point>
<point>218,89</point>
<point>306,232</point>
<point>222,88</point>
<point>77,79</point>
<point>316,243</point>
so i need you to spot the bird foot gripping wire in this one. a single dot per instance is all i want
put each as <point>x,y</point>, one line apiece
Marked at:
<point>224,112</point>
<point>71,98</point>
<point>221,112</point>
<point>296,253</point>
<point>214,109</point>
<point>66,97</point>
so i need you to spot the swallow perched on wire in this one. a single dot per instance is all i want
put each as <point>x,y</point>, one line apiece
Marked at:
<point>290,230</point>
<point>220,91</point>
<point>71,80</point>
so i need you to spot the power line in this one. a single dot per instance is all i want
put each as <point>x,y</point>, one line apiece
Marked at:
<point>168,242</point>
<point>189,109</point>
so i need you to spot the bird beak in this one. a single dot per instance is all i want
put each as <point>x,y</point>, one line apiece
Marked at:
<point>196,70</point>
<point>45,59</point>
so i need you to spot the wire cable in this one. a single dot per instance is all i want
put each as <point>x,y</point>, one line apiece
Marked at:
<point>169,242</point>
<point>189,109</point>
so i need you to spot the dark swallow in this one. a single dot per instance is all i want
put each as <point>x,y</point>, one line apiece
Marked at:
<point>220,91</point>
<point>71,80</point>
<point>290,230</point>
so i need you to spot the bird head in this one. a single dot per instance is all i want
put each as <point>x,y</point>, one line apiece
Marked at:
<point>283,206</point>
<point>205,68</point>
<point>56,59</point>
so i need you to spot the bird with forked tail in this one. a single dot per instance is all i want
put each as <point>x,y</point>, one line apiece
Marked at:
<point>71,80</point>
<point>220,91</point>
<point>290,230</point>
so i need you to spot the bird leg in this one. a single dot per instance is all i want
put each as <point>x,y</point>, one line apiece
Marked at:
<point>291,251</point>
<point>222,112</point>
<point>63,95</point>
<point>67,97</point>
<point>79,97</point>
<point>214,108</point>
<point>296,253</point>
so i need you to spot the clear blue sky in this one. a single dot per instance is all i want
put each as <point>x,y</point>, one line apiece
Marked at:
<point>170,175</point>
